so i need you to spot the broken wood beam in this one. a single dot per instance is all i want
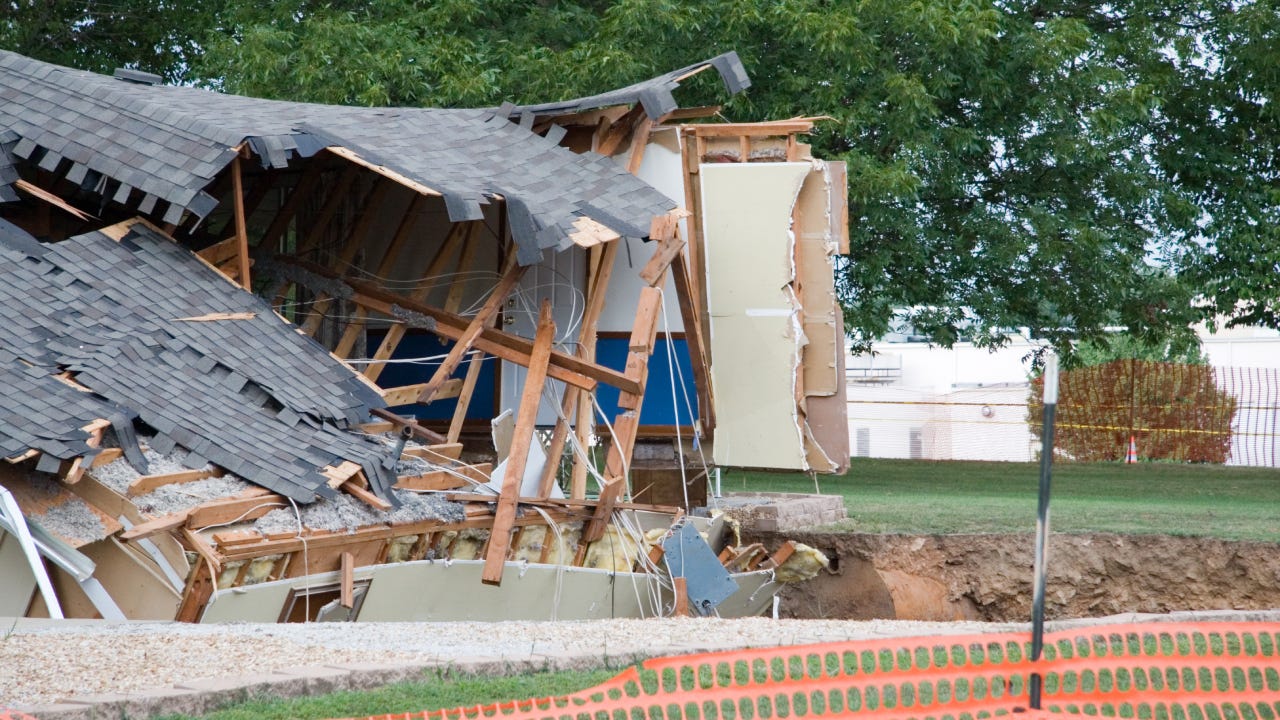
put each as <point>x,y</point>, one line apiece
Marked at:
<point>441,453</point>
<point>518,457</point>
<point>464,396</point>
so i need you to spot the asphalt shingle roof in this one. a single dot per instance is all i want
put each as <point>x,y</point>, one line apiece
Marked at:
<point>251,395</point>
<point>171,142</point>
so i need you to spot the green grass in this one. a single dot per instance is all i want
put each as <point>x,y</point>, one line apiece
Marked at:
<point>931,497</point>
<point>416,696</point>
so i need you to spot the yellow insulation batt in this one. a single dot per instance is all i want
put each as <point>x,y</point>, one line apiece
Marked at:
<point>804,563</point>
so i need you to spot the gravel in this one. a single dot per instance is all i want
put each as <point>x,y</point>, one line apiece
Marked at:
<point>43,662</point>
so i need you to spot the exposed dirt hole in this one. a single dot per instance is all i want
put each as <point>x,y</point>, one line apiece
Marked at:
<point>988,577</point>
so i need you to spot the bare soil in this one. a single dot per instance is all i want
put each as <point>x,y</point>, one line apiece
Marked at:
<point>989,577</point>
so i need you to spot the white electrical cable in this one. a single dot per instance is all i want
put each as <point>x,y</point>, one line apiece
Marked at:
<point>675,404</point>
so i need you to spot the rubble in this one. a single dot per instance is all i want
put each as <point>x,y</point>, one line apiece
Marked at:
<point>257,381</point>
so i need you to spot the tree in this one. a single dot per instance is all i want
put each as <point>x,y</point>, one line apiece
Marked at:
<point>1059,165</point>
<point>159,36</point>
<point>1172,411</point>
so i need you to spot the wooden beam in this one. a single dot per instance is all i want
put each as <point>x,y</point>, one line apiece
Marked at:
<point>490,309</point>
<point>383,170</point>
<point>365,496</point>
<point>348,254</point>
<point>453,477</point>
<point>509,347</point>
<point>150,483</point>
<point>619,131</point>
<point>396,332</point>
<point>280,223</point>
<point>442,453</point>
<point>239,509</point>
<point>464,397</point>
<point>696,341</point>
<point>639,140</point>
<point>406,394</point>
<point>242,232</point>
<point>594,529</point>
<point>656,269</point>
<point>526,420</point>
<point>769,129</point>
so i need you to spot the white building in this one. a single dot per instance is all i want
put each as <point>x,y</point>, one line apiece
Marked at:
<point>913,400</point>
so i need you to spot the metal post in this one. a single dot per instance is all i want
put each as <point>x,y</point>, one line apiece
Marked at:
<point>1042,523</point>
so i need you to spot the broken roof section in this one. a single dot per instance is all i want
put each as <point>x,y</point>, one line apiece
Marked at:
<point>157,148</point>
<point>655,95</point>
<point>211,368</point>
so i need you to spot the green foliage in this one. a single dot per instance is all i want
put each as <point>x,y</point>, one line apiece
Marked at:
<point>158,36</point>
<point>1123,346</point>
<point>927,497</point>
<point>1046,164</point>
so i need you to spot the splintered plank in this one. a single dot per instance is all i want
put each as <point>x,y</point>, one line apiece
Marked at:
<point>150,483</point>
<point>242,233</point>
<point>342,472</point>
<point>656,269</point>
<point>526,419</point>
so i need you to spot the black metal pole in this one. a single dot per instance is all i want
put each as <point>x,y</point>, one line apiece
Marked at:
<point>1042,523</point>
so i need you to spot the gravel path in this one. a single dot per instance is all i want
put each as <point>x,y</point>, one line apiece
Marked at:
<point>42,663</point>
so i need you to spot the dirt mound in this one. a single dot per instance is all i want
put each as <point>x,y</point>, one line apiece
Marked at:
<point>988,577</point>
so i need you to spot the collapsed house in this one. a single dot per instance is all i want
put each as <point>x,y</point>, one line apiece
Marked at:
<point>276,361</point>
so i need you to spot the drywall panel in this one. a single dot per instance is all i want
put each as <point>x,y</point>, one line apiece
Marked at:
<point>755,317</point>
<point>18,583</point>
<point>437,591</point>
<point>260,603</point>
<point>816,286</point>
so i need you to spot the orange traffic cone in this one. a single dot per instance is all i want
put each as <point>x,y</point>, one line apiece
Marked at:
<point>1132,455</point>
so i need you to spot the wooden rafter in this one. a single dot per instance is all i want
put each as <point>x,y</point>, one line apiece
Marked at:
<point>395,333</point>
<point>510,278</point>
<point>242,232</point>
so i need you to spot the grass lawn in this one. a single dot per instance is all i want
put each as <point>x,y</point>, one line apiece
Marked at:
<point>428,694</point>
<point>922,496</point>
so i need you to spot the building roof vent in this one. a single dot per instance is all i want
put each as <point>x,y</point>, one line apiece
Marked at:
<point>137,76</point>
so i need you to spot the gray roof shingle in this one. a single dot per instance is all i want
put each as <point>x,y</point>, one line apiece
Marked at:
<point>171,142</point>
<point>252,395</point>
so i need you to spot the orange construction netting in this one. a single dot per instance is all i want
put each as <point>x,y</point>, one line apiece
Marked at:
<point>1158,671</point>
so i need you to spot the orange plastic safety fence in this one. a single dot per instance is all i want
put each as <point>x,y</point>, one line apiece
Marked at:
<point>1206,671</point>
